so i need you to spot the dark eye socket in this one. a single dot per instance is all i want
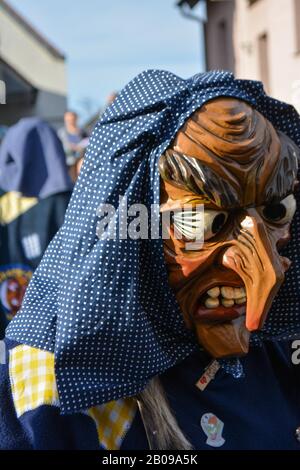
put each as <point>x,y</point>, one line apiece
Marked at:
<point>218,223</point>
<point>275,212</point>
<point>280,212</point>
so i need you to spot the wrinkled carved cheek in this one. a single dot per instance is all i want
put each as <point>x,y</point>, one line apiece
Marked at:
<point>182,267</point>
<point>187,287</point>
<point>254,257</point>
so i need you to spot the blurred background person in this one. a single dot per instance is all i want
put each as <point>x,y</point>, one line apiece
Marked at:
<point>74,140</point>
<point>91,123</point>
<point>35,189</point>
<point>111,98</point>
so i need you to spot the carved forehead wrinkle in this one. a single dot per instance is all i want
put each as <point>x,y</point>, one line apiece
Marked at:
<point>226,117</point>
<point>229,130</point>
<point>235,141</point>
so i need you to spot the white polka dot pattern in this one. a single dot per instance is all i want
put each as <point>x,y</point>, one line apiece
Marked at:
<point>105,307</point>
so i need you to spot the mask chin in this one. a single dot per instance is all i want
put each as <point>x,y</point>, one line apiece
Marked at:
<point>223,340</point>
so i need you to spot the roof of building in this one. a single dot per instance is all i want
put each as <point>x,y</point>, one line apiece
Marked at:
<point>32,30</point>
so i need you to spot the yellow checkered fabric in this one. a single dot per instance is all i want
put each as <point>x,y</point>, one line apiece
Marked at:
<point>33,384</point>
<point>32,378</point>
<point>113,421</point>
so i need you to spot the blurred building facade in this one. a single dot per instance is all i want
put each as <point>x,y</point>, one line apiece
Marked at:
<point>257,39</point>
<point>33,70</point>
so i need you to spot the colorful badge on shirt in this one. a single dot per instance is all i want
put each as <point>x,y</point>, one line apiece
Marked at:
<point>213,428</point>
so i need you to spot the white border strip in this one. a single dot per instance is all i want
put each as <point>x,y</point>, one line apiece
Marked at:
<point>2,353</point>
<point>2,92</point>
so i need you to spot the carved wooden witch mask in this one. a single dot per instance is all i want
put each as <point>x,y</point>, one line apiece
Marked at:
<point>230,159</point>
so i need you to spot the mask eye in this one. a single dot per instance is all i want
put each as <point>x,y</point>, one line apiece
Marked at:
<point>214,221</point>
<point>193,225</point>
<point>280,212</point>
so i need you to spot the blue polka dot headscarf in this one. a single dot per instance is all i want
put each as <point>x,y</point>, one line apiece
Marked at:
<point>104,307</point>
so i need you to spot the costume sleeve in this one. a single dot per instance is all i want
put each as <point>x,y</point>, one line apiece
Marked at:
<point>30,416</point>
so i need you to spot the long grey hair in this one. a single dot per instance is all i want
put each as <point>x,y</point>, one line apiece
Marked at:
<point>162,429</point>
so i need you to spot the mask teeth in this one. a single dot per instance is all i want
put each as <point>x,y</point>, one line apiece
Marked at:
<point>227,302</point>
<point>212,303</point>
<point>227,296</point>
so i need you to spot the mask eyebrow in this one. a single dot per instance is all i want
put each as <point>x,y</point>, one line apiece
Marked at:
<point>190,174</point>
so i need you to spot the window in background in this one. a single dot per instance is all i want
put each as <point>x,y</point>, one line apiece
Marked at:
<point>297,24</point>
<point>223,42</point>
<point>263,57</point>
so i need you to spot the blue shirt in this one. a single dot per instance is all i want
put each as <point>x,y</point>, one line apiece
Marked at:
<point>260,411</point>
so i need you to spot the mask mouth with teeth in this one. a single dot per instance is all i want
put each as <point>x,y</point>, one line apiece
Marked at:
<point>230,160</point>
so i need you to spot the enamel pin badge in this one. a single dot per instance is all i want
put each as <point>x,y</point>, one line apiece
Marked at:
<point>208,375</point>
<point>213,428</point>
